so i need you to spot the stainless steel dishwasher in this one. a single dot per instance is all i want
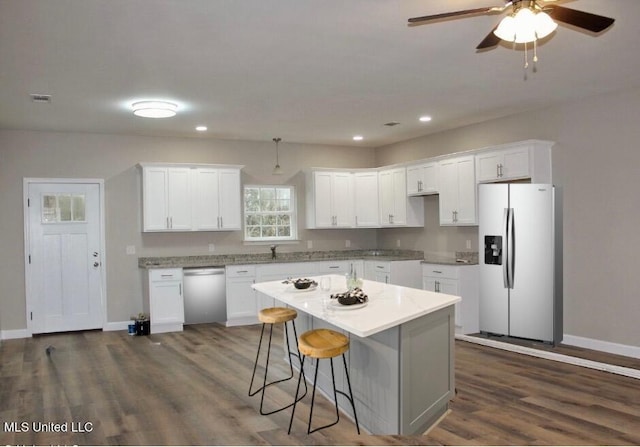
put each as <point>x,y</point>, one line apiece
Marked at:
<point>204,295</point>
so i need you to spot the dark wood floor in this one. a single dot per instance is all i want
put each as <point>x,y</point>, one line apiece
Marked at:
<point>190,388</point>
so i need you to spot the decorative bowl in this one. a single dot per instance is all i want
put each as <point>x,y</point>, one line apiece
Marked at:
<point>303,283</point>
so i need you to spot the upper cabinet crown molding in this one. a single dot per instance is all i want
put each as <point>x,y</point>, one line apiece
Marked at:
<point>190,197</point>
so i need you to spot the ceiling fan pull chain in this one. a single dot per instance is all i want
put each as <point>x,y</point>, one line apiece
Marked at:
<point>535,55</point>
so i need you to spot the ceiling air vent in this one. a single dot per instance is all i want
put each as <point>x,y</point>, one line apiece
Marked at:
<point>40,98</point>
<point>391,123</point>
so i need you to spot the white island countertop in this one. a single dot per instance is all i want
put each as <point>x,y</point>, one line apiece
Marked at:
<point>388,306</point>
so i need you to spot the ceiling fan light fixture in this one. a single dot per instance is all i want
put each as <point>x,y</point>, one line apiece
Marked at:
<point>525,26</point>
<point>154,109</point>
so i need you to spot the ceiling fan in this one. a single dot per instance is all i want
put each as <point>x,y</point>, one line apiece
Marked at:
<point>532,9</point>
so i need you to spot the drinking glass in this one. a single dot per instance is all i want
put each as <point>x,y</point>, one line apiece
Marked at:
<point>325,283</point>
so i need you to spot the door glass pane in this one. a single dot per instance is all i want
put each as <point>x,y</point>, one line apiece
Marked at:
<point>78,208</point>
<point>49,208</point>
<point>64,205</point>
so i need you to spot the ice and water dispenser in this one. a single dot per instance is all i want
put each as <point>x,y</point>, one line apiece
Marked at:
<point>493,250</point>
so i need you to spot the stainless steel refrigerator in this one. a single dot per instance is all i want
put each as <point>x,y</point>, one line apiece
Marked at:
<point>520,237</point>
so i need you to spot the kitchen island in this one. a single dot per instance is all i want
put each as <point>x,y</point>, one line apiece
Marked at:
<point>401,356</point>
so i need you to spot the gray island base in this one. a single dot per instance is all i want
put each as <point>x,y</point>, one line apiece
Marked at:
<point>401,356</point>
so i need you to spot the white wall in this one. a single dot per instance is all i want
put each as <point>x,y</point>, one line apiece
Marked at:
<point>114,158</point>
<point>596,160</point>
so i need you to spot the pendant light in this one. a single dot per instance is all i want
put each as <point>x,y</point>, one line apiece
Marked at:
<point>277,170</point>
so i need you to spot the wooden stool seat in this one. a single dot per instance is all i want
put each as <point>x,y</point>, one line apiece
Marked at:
<point>271,316</point>
<point>322,343</point>
<point>274,315</point>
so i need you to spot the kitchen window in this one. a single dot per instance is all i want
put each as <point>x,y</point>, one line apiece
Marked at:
<point>269,213</point>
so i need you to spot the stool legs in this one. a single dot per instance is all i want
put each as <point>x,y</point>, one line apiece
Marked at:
<point>266,368</point>
<point>335,396</point>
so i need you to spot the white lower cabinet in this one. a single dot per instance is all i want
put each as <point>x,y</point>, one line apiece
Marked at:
<point>401,273</point>
<point>241,298</point>
<point>456,280</point>
<point>163,300</point>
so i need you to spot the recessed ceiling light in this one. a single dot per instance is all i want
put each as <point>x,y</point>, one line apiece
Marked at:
<point>154,109</point>
<point>358,138</point>
<point>201,128</point>
<point>425,119</point>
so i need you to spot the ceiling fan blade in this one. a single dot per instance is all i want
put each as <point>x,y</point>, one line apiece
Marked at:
<point>581,19</point>
<point>446,15</point>
<point>490,41</point>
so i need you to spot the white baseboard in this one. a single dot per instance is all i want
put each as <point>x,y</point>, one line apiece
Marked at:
<point>17,333</point>
<point>117,326</point>
<point>548,355</point>
<point>599,345</point>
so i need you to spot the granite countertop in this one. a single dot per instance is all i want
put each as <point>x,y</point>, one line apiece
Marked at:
<point>265,258</point>
<point>460,258</point>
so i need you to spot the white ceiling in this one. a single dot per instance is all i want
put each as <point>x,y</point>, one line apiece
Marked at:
<point>312,71</point>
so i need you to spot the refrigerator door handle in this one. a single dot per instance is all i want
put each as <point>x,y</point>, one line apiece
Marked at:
<point>505,260</point>
<point>510,248</point>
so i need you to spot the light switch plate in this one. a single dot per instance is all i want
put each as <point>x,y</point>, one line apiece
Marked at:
<point>347,243</point>
<point>212,248</point>
<point>309,245</point>
<point>131,249</point>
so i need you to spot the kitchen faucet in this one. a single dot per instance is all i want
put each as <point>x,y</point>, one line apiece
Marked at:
<point>273,252</point>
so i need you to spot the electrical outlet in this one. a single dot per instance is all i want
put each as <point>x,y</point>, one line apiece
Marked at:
<point>131,249</point>
<point>468,244</point>
<point>347,243</point>
<point>212,248</point>
<point>398,243</point>
<point>309,245</point>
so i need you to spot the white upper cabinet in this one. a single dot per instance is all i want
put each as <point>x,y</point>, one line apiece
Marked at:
<point>396,208</point>
<point>458,191</point>
<point>422,179</point>
<point>365,185</point>
<point>217,203</point>
<point>332,200</point>
<point>393,197</point>
<point>191,198</point>
<point>166,199</point>
<point>522,160</point>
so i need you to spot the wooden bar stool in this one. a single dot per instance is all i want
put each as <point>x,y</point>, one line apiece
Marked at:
<point>323,344</point>
<point>271,316</point>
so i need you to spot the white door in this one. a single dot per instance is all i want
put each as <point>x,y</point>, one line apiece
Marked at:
<point>366,199</point>
<point>64,257</point>
<point>206,214</point>
<point>342,198</point>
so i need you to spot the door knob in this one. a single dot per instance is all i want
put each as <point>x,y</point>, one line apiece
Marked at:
<point>95,254</point>
<point>96,264</point>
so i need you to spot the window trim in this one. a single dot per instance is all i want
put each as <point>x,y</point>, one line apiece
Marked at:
<point>293,215</point>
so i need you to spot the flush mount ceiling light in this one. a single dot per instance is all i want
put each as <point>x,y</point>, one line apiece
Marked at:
<point>277,170</point>
<point>358,138</point>
<point>154,109</point>
<point>424,119</point>
<point>201,128</point>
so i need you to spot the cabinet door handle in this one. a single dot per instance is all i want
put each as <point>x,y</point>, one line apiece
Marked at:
<point>437,271</point>
<point>334,266</point>
<point>242,271</point>
<point>180,286</point>
<point>498,170</point>
<point>171,221</point>
<point>168,222</point>
<point>356,221</point>
<point>501,171</point>
<point>221,222</point>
